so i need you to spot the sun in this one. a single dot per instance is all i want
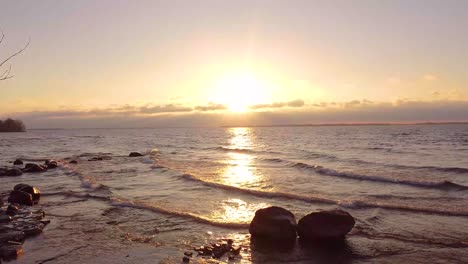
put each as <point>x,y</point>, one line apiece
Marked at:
<point>240,91</point>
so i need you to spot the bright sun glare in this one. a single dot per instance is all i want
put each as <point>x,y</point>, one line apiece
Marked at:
<point>239,91</point>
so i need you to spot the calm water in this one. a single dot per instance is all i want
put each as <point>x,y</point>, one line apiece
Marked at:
<point>407,187</point>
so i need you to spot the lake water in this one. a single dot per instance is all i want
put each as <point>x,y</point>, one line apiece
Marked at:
<point>406,186</point>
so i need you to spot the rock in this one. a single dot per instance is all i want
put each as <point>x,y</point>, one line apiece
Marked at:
<point>73,162</point>
<point>5,218</point>
<point>11,235</point>
<point>95,159</point>
<point>3,171</point>
<point>31,167</point>
<point>20,197</point>
<point>274,223</point>
<point>18,162</point>
<point>35,193</point>
<point>188,254</point>
<point>325,225</point>
<point>12,209</point>
<point>13,172</point>
<point>34,230</point>
<point>135,154</point>
<point>51,164</point>
<point>186,259</point>
<point>10,251</point>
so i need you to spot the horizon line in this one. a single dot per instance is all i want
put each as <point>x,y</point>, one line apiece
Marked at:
<point>273,125</point>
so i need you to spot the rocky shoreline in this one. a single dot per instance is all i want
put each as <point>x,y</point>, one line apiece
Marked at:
<point>17,223</point>
<point>272,228</point>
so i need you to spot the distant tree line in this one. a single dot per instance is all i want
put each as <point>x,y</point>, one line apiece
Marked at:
<point>11,125</point>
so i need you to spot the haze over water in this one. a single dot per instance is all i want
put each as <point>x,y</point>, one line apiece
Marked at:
<point>405,185</point>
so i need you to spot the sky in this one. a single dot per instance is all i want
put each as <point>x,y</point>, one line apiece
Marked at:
<point>110,63</point>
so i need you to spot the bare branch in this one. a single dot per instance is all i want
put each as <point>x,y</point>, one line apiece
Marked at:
<point>6,74</point>
<point>15,54</point>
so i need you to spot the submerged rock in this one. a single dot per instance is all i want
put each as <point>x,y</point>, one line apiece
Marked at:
<point>18,162</point>
<point>51,164</point>
<point>13,172</point>
<point>325,225</point>
<point>35,194</point>
<point>11,235</point>
<point>27,221</point>
<point>274,223</point>
<point>20,197</point>
<point>135,154</point>
<point>10,251</point>
<point>31,167</point>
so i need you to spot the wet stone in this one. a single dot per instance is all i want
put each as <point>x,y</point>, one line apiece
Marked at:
<point>12,209</point>
<point>11,235</point>
<point>10,251</point>
<point>26,222</point>
<point>18,162</point>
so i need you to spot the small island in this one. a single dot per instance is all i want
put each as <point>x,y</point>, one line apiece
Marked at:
<point>12,125</point>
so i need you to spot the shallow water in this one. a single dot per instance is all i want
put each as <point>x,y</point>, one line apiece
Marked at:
<point>407,186</point>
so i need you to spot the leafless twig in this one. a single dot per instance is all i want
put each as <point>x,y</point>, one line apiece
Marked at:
<point>6,74</point>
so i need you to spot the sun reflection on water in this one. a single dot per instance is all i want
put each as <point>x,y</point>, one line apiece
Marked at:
<point>237,211</point>
<point>239,170</point>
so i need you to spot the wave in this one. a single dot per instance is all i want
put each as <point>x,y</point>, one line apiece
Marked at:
<point>193,217</point>
<point>357,204</point>
<point>361,231</point>
<point>266,194</point>
<point>353,204</point>
<point>444,185</point>
<point>120,202</point>
<point>87,182</point>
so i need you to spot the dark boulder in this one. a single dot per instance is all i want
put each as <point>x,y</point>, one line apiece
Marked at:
<point>135,154</point>
<point>20,197</point>
<point>35,194</point>
<point>51,164</point>
<point>31,167</point>
<point>3,171</point>
<point>18,162</point>
<point>13,172</point>
<point>325,225</point>
<point>73,162</point>
<point>274,223</point>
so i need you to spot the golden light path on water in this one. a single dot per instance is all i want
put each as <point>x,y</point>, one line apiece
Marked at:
<point>239,172</point>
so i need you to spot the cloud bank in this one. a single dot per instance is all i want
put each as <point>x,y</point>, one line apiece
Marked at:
<point>279,113</point>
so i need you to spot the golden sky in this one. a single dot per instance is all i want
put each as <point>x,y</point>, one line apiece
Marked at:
<point>231,56</point>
